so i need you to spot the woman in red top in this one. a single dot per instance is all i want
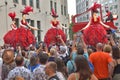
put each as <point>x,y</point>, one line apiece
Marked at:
<point>52,34</point>
<point>11,36</point>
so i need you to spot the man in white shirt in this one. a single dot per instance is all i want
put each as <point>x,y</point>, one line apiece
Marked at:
<point>20,70</point>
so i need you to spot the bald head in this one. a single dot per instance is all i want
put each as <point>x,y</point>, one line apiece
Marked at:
<point>99,46</point>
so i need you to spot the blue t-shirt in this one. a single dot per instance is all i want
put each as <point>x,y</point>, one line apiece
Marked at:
<point>31,68</point>
<point>74,55</point>
<point>70,65</point>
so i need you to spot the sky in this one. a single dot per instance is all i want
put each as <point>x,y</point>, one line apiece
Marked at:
<point>71,7</point>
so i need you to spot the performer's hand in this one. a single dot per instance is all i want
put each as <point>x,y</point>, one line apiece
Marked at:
<point>36,29</point>
<point>66,28</point>
<point>39,30</point>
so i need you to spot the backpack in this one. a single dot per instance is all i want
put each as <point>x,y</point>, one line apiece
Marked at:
<point>91,66</point>
<point>65,59</point>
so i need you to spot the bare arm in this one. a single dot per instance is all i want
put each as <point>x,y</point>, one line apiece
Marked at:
<point>63,43</point>
<point>103,23</point>
<point>87,25</point>
<point>93,77</point>
<point>112,41</point>
<point>31,27</point>
<point>61,26</point>
<point>12,26</point>
<point>74,42</point>
<point>111,68</point>
<point>72,76</point>
<point>83,43</point>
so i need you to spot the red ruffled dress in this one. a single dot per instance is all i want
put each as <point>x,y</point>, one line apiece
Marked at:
<point>25,36</point>
<point>11,37</point>
<point>95,33</point>
<point>51,35</point>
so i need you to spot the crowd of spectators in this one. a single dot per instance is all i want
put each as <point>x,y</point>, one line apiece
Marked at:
<point>66,61</point>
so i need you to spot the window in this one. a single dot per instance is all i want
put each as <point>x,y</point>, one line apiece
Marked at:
<point>51,5</point>
<point>15,1</point>
<point>116,6</point>
<point>17,22</point>
<point>28,20</point>
<point>86,3</point>
<point>62,9</point>
<point>87,16</point>
<point>32,24</point>
<point>65,10</point>
<point>37,3</point>
<point>55,6</point>
<point>65,29</point>
<point>62,27</point>
<point>111,8</point>
<point>23,2</point>
<point>116,24</point>
<point>110,1</point>
<point>31,3</point>
<point>39,32</point>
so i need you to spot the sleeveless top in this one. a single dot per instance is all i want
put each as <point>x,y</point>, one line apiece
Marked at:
<point>13,26</point>
<point>94,22</point>
<point>55,24</point>
<point>24,24</point>
<point>76,77</point>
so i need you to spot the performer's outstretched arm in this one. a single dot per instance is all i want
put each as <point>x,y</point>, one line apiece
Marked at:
<point>87,25</point>
<point>28,25</point>
<point>33,28</point>
<point>104,24</point>
<point>61,26</point>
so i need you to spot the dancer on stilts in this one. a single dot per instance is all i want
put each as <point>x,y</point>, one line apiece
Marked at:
<point>94,32</point>
<point>11,37</point>
<point>54,32</point>
<point>26,38</point>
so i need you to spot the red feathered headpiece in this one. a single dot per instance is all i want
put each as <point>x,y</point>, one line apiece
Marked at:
<point>95,6</point>
<point>27,10</point>
<point>54,14</point>
<point>12,15</point>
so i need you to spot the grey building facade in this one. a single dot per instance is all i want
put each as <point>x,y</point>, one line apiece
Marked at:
<point>112,5</point>
<point>40,17</point>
